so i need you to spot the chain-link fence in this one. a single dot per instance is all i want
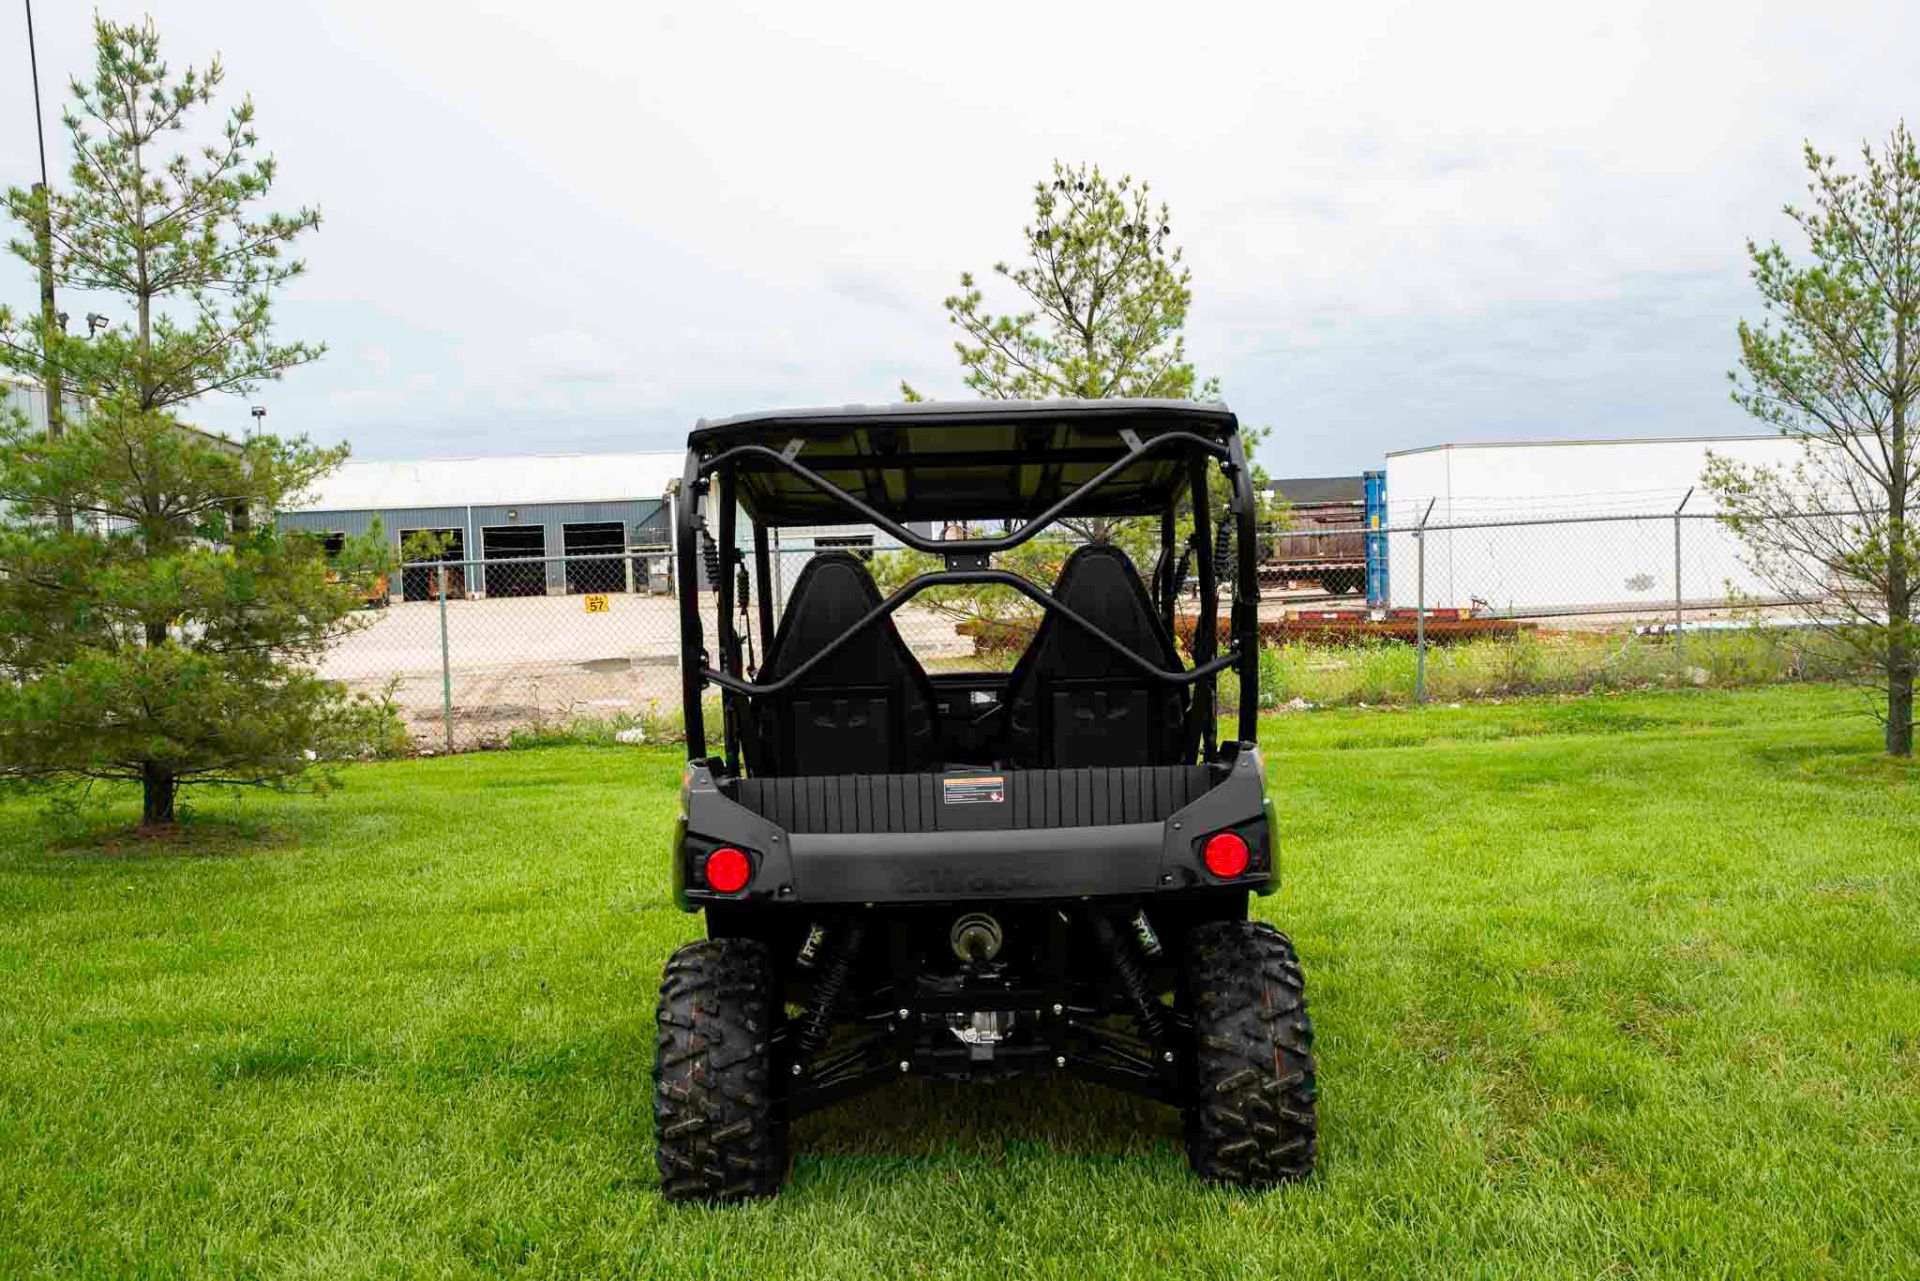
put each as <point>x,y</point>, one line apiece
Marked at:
<point>938,637</point>
<point>475,652</point>
<point>1586,571</point>
<point>1574,579</point>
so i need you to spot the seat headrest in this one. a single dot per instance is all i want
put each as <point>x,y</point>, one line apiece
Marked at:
<point>834,591</point>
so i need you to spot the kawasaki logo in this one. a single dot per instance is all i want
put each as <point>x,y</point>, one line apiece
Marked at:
<point>949,880</point>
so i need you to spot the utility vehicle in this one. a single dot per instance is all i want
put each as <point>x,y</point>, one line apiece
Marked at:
<point>983,873</point>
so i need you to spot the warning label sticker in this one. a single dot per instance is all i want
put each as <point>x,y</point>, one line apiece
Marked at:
<point>978,789</point>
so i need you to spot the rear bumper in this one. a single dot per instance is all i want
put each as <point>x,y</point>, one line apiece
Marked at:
<point>1019,863</point>
<point>1093,859</point>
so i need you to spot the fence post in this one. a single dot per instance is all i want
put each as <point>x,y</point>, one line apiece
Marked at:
<point>1420,607</point>
<point>1678,634</point>
<point>446,667</point>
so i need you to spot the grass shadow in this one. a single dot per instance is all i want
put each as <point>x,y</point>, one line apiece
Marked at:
<point>198,838</point>
<point>922,1118</point>
<point>1848,762</point>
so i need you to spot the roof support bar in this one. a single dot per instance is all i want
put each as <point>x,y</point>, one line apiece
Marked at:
<point>723,608</point>
<point>686,586</point>
<point>831,463</point>
<point>1246,608</point>
<point>1205,640</point>
<point>937,547</point>
<point>997,576</point>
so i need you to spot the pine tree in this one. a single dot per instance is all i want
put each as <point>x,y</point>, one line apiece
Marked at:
<point>1103,296</point>
<point>170,636</point>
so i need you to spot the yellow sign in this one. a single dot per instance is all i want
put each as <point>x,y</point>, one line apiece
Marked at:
<point>596,604</point>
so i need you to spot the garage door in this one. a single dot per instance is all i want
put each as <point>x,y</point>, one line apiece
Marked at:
<point>422,581</point>
<point>596,559</point>
<point>514,565</point>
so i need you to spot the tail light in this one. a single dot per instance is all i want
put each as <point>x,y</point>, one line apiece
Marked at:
<point>727,870</point>
<point>1226,855</point>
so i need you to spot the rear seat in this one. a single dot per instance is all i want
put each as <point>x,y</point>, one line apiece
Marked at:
<point>868,709</point>
<point>1072,702</point>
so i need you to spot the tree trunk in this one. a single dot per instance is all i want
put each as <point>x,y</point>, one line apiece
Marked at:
<point>157,787</point>
<point>157,783</point>
<point>1900,655</point>
<point>1900,572</point>
<point>1900,703</point>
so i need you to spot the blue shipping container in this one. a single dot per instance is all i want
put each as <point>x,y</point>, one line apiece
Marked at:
<point>1376,538</point>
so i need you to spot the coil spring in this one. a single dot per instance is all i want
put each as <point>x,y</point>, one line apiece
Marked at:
<point>816,1024</point>
<point>1223,548</point>
<point>1133,978</point>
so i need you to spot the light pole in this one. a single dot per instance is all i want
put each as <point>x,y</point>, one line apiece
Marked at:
<point>259,413</point>
<point>43,241</point>
<point>43,251</point>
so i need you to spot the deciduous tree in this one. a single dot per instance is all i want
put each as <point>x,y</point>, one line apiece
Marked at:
<point>1835,365</point>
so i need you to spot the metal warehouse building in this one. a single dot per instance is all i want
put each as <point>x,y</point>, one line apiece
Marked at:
<point>17,396</point>
<point>518,526</point>
<point>1538,527</point>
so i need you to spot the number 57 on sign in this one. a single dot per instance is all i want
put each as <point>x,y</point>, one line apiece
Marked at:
<point>596,603</point>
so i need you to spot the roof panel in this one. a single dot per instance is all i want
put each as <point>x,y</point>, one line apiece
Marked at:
<point>929,413</point>
<point>954,460</point>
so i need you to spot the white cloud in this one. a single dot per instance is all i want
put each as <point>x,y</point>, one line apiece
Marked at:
<point>574,355</point>
<point>367,398</point>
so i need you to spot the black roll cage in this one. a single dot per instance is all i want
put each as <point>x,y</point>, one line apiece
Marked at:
<point>966,561</point>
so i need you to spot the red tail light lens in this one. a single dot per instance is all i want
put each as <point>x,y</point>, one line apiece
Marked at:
<point>728,870</point>
<point>1226,855</point>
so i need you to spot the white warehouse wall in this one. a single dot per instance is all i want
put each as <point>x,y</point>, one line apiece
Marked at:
<point>1625,566</point>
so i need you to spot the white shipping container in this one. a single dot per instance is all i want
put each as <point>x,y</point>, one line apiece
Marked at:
<point>1479,556</point>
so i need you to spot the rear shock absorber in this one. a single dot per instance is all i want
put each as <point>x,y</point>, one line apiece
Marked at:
<point>1121,950</point>
<point>816,1022</point>
<point>1223,548</point>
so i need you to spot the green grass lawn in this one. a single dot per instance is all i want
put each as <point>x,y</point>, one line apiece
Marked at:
<point>1606,987</point>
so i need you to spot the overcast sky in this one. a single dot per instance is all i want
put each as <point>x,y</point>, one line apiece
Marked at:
<point>566,226</point>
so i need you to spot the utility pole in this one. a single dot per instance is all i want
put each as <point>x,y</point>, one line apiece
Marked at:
<point>49,312</point>
<point>50,327</point>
